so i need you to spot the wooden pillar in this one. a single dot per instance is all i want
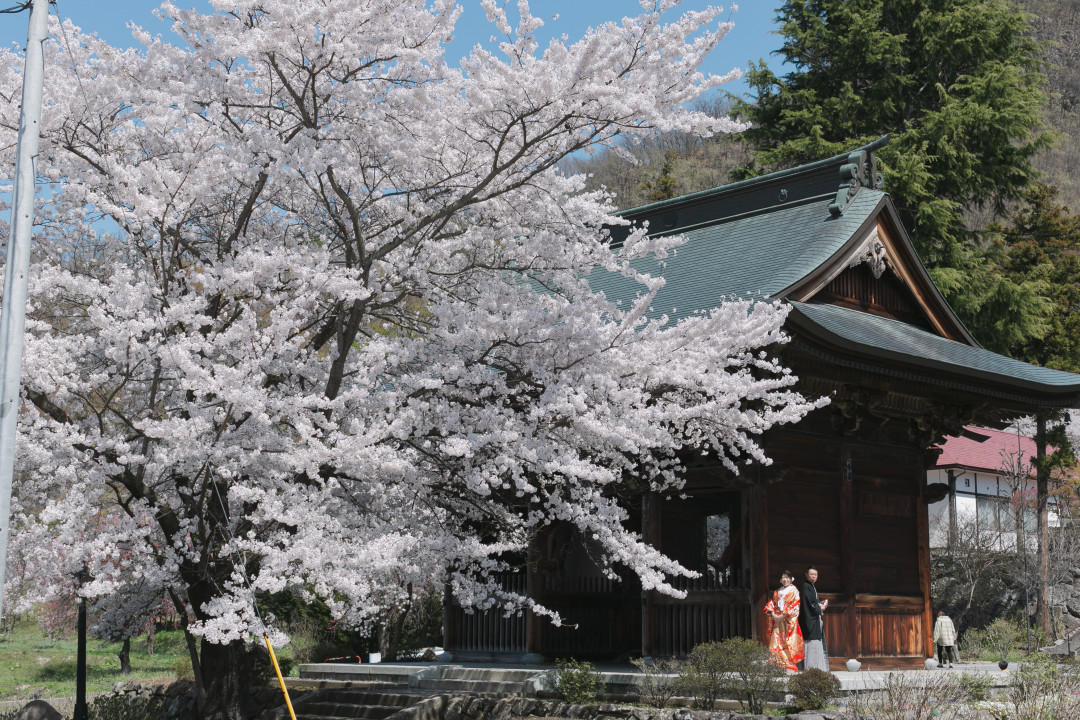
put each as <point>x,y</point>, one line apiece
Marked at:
<point>847,553</point>
<point>650,533</point>
<point>758,527</point>
<point>450,629</point>
<point>532,589</point>
<point>922,539</point>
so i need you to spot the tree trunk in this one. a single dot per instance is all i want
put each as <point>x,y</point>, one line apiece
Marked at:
<point>151,635</point>
<point>1042,492</point>
<point>125,657</point>
<point>196,670</point>
<point>224,695</point>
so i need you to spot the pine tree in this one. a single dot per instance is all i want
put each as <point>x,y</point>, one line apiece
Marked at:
<point>958,84</point>
<point>665,185</point>
<point>1042,244</point>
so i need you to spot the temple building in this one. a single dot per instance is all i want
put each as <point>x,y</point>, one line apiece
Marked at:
<point>847,490</point>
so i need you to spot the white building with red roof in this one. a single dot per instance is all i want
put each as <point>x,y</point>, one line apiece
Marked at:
<point>986,481</point>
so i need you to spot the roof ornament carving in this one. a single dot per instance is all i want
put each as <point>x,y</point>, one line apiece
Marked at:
<point>873,252</point>
<point>860,170</point>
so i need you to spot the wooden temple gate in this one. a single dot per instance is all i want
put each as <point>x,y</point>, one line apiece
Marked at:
<point>607,619</point>
<point>847,489</point>
<point>713,609</point>
<point>855,510</point>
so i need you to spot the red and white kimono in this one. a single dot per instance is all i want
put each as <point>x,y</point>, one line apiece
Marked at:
<point>785,637</point>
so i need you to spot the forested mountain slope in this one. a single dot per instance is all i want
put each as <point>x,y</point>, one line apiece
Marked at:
<point>1058,21</point>
<point>678,164</point>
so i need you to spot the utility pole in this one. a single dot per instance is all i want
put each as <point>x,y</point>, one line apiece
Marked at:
<point>1042,526</point>
<point>13,309</point>
<point>81,712</point>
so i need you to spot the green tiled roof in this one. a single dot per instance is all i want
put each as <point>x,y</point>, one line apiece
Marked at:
<point>759,254</point>
<point>852,330</point>
<point>763,236</point>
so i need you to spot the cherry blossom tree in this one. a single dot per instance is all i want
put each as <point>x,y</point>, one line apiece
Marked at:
<point>311,311</point>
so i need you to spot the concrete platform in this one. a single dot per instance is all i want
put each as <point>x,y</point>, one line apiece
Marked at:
<point>620,679</point>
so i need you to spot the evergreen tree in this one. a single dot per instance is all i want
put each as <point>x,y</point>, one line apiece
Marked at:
<point>665,185</point>
<point>1042,244</point>
<point>957,83</point>
<point>959,86</point>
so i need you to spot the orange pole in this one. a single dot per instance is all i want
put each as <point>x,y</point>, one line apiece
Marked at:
<point>285,690</point>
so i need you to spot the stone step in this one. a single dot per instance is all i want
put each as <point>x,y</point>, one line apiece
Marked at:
<point>349,710</point>
<point>380,672</point>
<point>351,704</point>
<point>472,686</point>
<point>488,674</point>
<point>368,697</point>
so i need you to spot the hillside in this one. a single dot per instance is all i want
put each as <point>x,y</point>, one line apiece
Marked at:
<point>698,164</point>
<point>1058,22</point>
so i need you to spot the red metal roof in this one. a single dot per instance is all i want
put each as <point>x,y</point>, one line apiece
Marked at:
<point>986,450</point>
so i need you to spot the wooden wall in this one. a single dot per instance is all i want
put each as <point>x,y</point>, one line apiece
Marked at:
<point>853,509</point>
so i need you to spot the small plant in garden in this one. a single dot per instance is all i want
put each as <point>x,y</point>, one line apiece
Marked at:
<point>658,682</point>
<point>703,674</point>
<point>182,669</point>
<point>1043,690</point>
<point>813,689</point>
<point>738,668</point>
<point>910,696</point>
<point>306,635</point>
<point>575,682</point>
<point>1002,636</point>
<point>976,686</point>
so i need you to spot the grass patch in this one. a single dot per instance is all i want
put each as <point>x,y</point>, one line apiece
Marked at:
<point>31,663</point>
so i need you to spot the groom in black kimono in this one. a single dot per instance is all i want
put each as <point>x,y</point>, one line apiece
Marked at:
<point>811,613</point>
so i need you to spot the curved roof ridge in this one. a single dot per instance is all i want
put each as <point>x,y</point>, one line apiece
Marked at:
<point>754,181</point>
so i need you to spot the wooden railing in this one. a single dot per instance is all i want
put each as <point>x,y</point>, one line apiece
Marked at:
<point>489,630</point>
<point>597,628</point>
<point>597,585</point>
<point>731,579</point>
<point>600,619</point>
<point>680,625</point>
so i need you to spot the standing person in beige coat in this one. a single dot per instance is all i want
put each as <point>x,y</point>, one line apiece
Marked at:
<point>944,638</point>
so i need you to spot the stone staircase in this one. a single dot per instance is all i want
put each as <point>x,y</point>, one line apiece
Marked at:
<point>344,703</point>
<point>1069,645</point>
<point>424,687</point>
<point>456,680</point>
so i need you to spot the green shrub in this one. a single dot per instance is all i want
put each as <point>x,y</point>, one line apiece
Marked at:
<point>974,645</point>
<point>703,674</point>
<point>182,669</point>
<point>916,696</point>
<point>813,689</point>
<point>575,682</point>
<point>120,707</point>
<point>738,668</point>
<point>1042,689</point>
<point>307,637</point>
<point>658,681</point>
<point>976,686</point>
<point>1002,637</point>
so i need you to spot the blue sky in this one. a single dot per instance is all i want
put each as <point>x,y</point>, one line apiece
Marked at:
<point>750,40</point>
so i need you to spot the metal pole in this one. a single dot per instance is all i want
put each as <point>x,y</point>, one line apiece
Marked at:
<point>80,712</point>
<point>13,309</point>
